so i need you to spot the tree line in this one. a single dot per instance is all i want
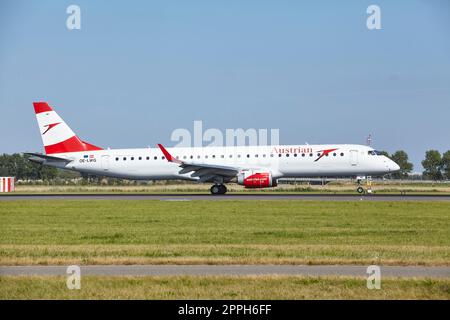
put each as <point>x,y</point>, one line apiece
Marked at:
<point>18,166</point>
<point>436,167</point>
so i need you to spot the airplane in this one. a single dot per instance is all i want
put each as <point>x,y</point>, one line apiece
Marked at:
<point>249,166</point>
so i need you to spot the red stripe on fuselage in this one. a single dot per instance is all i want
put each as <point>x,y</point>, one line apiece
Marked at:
<point>41,107</point>
<point>73,144</point>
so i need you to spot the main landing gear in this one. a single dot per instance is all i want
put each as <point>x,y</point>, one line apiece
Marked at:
<point>218,189</point>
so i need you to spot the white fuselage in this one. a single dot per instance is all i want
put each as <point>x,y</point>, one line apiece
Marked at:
<point>281,161</point>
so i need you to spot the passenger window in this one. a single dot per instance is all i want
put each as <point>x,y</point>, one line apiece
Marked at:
<point>342,154</point>
<point>279,155</point>
<point>148,158</point>
<point>140,158</point>
<point>155,158</point>
<point>124,158</point>
<point>117,159</point>
<point>132,158</point>
<point>271,155</point>
<point>334,154</point>
<point>303,154</point>
<point>256,156</point>
<point>310,154</point>
<point>162,158</point>
<point>287,155</point>
<point>295,154</point>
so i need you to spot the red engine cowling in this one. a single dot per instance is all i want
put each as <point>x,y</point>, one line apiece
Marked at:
<point>256,179</point>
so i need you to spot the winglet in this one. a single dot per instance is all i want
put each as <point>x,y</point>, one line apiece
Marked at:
<point>167,154</point>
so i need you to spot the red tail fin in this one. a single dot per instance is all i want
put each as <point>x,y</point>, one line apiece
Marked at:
<point>56,134</point>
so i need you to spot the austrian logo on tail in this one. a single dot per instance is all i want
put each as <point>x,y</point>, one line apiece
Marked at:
<point>49,126</point>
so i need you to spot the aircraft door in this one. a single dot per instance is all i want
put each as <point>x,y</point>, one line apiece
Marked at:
<point>105,163</point>
<point>354,157</point>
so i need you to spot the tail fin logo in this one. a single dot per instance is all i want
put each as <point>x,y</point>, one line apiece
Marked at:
<point>49,126</point>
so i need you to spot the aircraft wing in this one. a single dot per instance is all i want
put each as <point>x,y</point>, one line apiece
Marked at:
<point>205,172</point>
<point>43,159</point>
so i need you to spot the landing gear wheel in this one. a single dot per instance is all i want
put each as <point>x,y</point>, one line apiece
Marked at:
<point>215,189</point>
<point>223,189</point>
<point>218,189</point>
<point>360,190</point>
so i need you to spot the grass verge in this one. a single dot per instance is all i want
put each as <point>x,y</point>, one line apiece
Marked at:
<point>221,287</point>
<point>212,232</point>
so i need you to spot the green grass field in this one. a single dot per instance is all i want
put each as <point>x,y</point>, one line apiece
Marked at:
<point>281,232</point>
<point>220,287</point>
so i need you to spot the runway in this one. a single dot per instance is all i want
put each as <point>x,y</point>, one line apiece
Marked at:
<point>231,196</point>
<point>229,270</point>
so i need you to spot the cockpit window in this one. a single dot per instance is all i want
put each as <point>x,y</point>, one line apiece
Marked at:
<point>374,153</point>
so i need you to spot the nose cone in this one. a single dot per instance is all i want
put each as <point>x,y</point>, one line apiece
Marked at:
<point>394,167</point>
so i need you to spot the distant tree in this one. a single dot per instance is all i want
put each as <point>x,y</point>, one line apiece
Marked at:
<point>401,158</point>
<point>446,164</point>
<point>19,166</point>
<point>432,165</point>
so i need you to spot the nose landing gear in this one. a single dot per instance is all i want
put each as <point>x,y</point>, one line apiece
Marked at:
<point>360,189</point>
<point>218,189</point>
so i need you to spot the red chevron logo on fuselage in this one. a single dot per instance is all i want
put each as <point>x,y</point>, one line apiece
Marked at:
<point>324,153</point>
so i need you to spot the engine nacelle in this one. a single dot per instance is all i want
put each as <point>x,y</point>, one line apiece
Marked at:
<point>256,179</point>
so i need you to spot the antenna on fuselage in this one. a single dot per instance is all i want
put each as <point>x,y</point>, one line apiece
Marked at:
<point>369,140</point>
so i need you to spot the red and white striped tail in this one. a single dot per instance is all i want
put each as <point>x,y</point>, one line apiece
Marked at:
<point>56,134</point>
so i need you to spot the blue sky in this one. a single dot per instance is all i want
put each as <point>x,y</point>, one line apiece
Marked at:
<point>137,70</point>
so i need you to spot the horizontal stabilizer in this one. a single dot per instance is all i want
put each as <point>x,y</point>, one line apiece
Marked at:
<point>42,158</point>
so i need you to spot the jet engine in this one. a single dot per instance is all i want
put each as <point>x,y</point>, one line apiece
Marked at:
<point>256,179</point>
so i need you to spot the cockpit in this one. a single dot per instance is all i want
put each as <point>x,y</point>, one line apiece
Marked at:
<point>374,153</point>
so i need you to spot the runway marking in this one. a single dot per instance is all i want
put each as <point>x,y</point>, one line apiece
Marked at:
<point>230,270</point>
